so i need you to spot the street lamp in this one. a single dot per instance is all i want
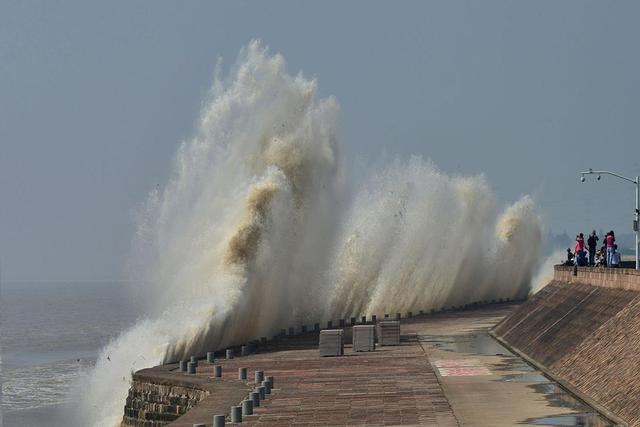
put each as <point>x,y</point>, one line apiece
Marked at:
<point>636,182</point>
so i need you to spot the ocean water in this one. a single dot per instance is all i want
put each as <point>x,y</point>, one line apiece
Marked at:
<point>51,334</point>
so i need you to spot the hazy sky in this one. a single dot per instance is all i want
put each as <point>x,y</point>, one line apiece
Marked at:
<point>95,97</point>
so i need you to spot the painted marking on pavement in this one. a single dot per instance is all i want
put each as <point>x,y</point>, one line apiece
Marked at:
<point>461,368</point>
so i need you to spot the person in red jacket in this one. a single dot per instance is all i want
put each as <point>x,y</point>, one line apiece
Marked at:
<point>610,241</point>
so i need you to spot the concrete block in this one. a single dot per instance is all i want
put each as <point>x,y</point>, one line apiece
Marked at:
<point>389,332</point>
<point>331,342</point>
<point>364,338</point>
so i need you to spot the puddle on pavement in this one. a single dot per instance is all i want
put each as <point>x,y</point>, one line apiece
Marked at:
<point>584,420</point>
<point>483,344</point>
<point>472,344</point>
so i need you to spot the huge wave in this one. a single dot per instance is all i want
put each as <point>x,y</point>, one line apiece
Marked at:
<point>259,229</point>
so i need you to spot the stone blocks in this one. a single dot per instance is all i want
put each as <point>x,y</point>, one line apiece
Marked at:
<point>331,342</point>
<point>364,338</point>
<point>389,332</point>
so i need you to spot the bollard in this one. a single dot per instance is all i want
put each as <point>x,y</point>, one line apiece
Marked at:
<point>364,320</point>
<point>283,332</point>
<point>316,327</point>
<point>217,371</point>
<point>194,360</point>
<point>433,310</point>
<point>292,331</point>
<point>374,318</point>
<point>267,387</point>
<point>218,420</point>
<point>410,314</point>
<point>191,368</point>
<point>244,350</point>
<point>329,324</point>
<point>236,414</point>
<point>303,328</point>
<point>386,316</point>
<point>259,377</point>
<point>242,373</point>
<point>262,391</point>
<point>183,366</point>
<point>229,353</point>
<point>270,379</point>
<point>255,396</point>
<point>353,321</point>
<point>421,312</point>
<point>211,358</point>
<point>247,407</point>
<point>263,340</point>
<point>341,323</point>
<point>398,316</point>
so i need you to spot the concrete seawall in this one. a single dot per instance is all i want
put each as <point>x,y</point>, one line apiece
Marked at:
<point>584,330</point>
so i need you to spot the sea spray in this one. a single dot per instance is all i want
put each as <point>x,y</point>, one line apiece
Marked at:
<point>257,229</point>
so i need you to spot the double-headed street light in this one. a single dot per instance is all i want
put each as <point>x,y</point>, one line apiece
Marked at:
<point>636,182</point>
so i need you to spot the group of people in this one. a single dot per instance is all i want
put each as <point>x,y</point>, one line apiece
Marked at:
<point>606,256</point>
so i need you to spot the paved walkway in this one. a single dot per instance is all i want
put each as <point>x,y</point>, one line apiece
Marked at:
<point>446,372</point>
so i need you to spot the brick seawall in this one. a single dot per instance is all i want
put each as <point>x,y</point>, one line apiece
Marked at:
<point>583,329</point>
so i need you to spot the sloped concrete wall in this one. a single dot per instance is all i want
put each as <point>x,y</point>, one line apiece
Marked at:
<point>585,331</point>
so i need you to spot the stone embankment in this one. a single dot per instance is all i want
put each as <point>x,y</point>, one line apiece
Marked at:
<point>583,329</point>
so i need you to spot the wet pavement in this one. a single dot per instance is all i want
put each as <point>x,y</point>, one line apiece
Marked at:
<point>447,371</point>
<point>487,385</point>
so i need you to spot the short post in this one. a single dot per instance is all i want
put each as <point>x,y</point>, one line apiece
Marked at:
<point>191,368</point>
<point>292,331</point>
<point>263,340</point>
<point>194,360</point>
<point>341,323</point>
<point>386,316</point>
<point>242,373</point>
<point>374,318</point>
<point>329,324</point>
<point>353,321</point>
<point>217,371</point>
<point>244,350</point>
<point>410,314</point>
<point>229,353</point>
<point>211,358</point>
<point>316,327</point>
<point>283,332</point>
<point>236,414</point>
<point>247,407</point>
<point>398,316</point>
<point>270,379</point>
<point>267,386</point>
<point>364,320</point>
<point>262,391</point>
<point>183,366</point>
<point>255,396</point>
<point>259,377</point>
<point>218,420</point>
<point>303,329</point>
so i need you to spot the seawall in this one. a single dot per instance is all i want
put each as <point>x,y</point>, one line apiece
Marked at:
<point>584,331</point>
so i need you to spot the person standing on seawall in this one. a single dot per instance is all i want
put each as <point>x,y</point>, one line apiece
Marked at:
<point>592,243</point>
<point>610,241</point>
<point>579,243</point>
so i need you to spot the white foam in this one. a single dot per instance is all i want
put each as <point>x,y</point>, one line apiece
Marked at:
<point>257,230</point>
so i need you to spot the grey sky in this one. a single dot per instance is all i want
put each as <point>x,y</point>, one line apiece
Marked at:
<point>95,97</point>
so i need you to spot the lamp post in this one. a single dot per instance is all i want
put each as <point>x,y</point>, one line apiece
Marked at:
<point>635,182</point>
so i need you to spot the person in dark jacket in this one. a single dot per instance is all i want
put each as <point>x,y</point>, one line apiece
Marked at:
<point>592,244</point>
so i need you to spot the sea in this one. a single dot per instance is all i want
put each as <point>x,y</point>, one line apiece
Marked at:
<point>51,335</point>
